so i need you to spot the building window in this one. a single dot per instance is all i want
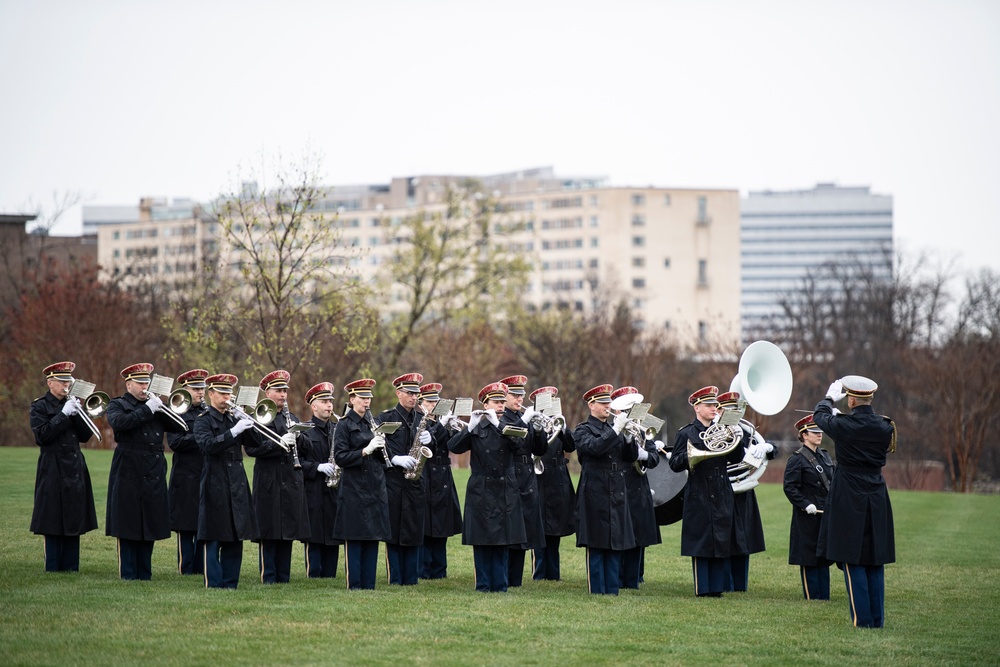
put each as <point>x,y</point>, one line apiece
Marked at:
<point>638,220</point>
<point>638,200</point>
<point>115,236</point>
<point>666,199</point>
<point>593,263</point>
<point>638,262</point>
<point>638,241</point>
<point>638,283</point>
<point>666,325</point>
<point>666,262</point>
<point>593,221</point>
<point>593,242</point>
<point>703,218</point>
<point>702,272</point>
<point>118,253</point>
<point>593,200</point>
<point>702,331</point>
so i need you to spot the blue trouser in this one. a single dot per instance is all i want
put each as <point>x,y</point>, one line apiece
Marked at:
<point>545,561</point>
<point>361,558</point>
<point>61,552</point>
<point>321,560</point>
<point>135,559</point>
<point>403,564</point>
<point>711,575</point>
<point>190,553</point>
<point>603,571</point>
<point>275,561</point>
<point>515,566</point>
<point>739,569</point>
<point>866,594</point>
<point>223,561</point>
<point>491,567</point>
<point>434,558</point>
<point>631,575</point>
<point>815,582</point>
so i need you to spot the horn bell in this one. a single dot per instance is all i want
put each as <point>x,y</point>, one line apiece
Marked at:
<point>765,378</point>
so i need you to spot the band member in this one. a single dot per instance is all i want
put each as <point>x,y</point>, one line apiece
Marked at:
<point>534,443</point>
<point>64,498</point>
<point>362,505</point>
<point>605,526</point>
<point>708,531</point>
<point>857,528</point>
<point>807,481</point>
<point>640,503</point>
<point>407,497</point>
<point>443,517</point>
<point>185,476</point>
<point>279,494</point>
<point>322,550</point>
<point>138,510</point>
<point>746,514</point>
<point>225,509</point>
<point>493,517</point>
<point>557,498</point>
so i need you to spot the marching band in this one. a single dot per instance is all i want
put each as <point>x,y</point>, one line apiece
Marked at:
<point>357,480</point>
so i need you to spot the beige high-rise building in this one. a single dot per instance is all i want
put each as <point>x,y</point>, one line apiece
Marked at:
<point>672,255</point>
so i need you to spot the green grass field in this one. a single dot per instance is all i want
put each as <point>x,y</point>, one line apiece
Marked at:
<point>942,603</point>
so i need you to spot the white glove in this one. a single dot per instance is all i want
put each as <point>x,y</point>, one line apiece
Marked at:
<point>424,438</point>
<point>620,420</point>
<point>474,419</point>
<point>287,442</point>
<point>836,391</point>
<point>526,416</point>
<point>660,447</point>
<point>491,417</point>
<point>404,461</point>
<point>378,442</point>
<point>643,454</point>
<point>154,403</point>
<point>241,426</point>
<point>326,469</point>
<point>71,406</point>
<point>446,419</point>
<point>836,412</point>
<point>757,451</point>
<point>810,509</point>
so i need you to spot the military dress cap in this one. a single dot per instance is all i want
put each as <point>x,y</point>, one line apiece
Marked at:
<point>599,394</point>
<point>515,384</point>
<point>138,372</point>
<point>222,382</point>
<point>62,371</point>
<point>729,399</point>
<point>544,390</point>
<point>409,382</point>
<point>431,391</point>
<point>360,388</point>
<point>858,385</point>
<point>320,391</point>
<point>623,391</point>
<point>807,423</point>
<point>494,390</point>
<point>704,395</point>
<point>275,380</point>
<point>193,379</point>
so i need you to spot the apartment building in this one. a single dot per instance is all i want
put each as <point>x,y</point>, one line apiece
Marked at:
<point>671,254</point>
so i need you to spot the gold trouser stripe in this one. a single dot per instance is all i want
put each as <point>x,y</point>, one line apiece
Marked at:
<point>850,594</point>
<point>347,564</point>
<point>45,548</point>
<point>306,548</point>
<point>532,563</point>
<point>694,566</point>
<point>180,555</point>
<point>118,551</point>
<point>589,589</point>
<point>387,573</point>
<point>805,581</point>
<point>260,559</point>
<point>204,568</point>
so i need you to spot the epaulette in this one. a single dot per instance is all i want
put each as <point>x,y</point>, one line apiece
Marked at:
<point>37,399</point>
<point>892,442</point>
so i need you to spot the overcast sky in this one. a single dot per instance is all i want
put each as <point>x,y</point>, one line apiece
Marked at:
<point>120,100</point>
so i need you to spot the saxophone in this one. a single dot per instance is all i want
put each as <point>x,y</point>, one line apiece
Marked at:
<point>420,452</point>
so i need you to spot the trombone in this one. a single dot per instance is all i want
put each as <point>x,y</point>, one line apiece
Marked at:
<point>264,413</point>
<point>93,404</point>
<point>177,402</point>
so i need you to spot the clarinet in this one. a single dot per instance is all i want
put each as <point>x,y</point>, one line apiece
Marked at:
<point>289,423</point>
<point>373,425</point>
<point>333,481</point>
